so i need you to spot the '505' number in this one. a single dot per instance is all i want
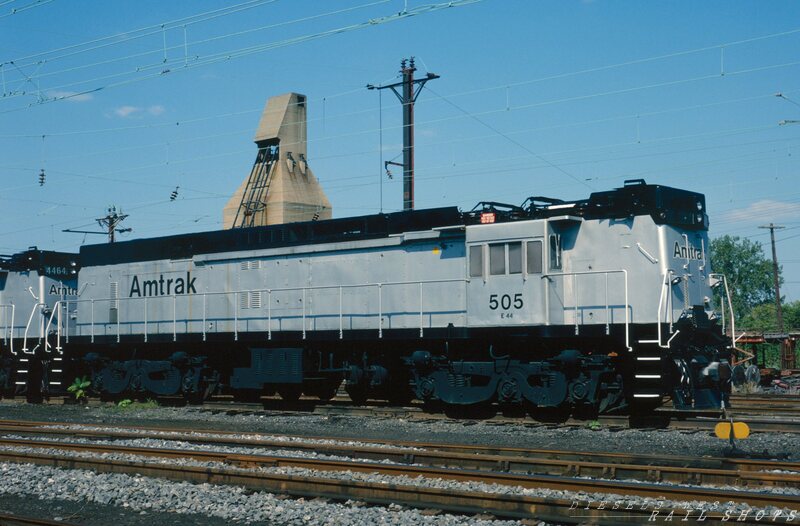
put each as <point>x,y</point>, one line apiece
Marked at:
<point>505,301</point>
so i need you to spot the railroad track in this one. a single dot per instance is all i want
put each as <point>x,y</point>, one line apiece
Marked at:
<point>767,404</point>
<point>664,418</point>
<point>509,467</point>
<point>18,520</point>
<point>618,466</point>
<point>762,413</point>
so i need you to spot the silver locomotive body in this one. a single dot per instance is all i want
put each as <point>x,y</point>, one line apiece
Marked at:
<point>590,304</point>
<point>34,287</point>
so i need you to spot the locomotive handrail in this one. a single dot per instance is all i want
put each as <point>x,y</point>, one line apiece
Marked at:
<point>27,328</point>
<point>665,300</point>
<point>56,308</point>
<point>574,276</point>
<point>237,295</point>
<point>734,339</point>
<point>663,287</point>
<point>10,336</point>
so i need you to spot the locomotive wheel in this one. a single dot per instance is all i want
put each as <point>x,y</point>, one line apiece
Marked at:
<point>247,395</point>
<point>290,392</point>
<point>480,411</point>
<point>324,393</point>
<point>327,394</point>
<point>194,398</point>
<point>357,393</point>
<point>324,390</point>
<point>400,396</point>
<point>586,411</point>
<point>556,415</point>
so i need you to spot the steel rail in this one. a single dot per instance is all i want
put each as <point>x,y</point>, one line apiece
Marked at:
<point>700,420</point>
<point>776,403</point>
<point>499,504</point>
<point>764,396</point>
<point>682,420</point>
<point>616,466</point>
<point>454,474</point>
<point>19,520</point>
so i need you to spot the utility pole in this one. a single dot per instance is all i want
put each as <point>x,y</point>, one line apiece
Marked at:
<point>110,222</point>
<point>787,349</point>
<point>778,310</point>
<point>411,88</point>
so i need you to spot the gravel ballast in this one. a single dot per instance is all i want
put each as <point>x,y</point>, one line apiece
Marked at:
<point>142,496</point>
<point>359,430</point>
<point>364,429</point>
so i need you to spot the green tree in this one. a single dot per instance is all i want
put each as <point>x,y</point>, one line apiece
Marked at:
<point>748,271</point>
<point>762,317</point>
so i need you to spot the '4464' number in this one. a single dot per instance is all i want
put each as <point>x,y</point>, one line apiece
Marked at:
<point>505,301</point>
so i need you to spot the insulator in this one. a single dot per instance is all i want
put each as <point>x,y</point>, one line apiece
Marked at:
<point>174,195</point>
<point>42,177</point>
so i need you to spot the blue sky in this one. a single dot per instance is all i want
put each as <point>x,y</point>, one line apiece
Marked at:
<point>555,98</point>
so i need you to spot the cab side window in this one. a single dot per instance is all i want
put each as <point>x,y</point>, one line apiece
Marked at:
<point>504,258</point>
<point>497,259</point>
<point>534,257</point>
<point>476,261</point>
<point>515,258</point>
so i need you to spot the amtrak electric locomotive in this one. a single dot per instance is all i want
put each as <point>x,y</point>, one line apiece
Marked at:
<point>589,305</point>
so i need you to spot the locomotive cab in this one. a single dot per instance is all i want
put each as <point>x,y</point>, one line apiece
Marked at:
<point>35,286</point>
<point>678,341</point>
<point>621,278</point>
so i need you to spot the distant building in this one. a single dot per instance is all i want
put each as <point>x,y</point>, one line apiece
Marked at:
<point>281,187</point>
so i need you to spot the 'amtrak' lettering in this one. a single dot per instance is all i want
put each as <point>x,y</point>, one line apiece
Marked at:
<point>58,290</point>
<point>687,252</point>
<point>162,287</point>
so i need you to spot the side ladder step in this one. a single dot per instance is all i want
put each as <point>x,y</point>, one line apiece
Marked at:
<point>648,370</point>
<point>21,372</point>
<point>55,374</point>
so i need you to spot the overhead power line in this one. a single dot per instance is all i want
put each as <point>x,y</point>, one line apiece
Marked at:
<point>183,47</point>
<point>634,62</point>
<point>107,176</point>
<point>166,67</point>
<point>17,10</point>
<point>427,144</point>
<point>121,38</point>
<point>484,89</point>
<point>513,141</point>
